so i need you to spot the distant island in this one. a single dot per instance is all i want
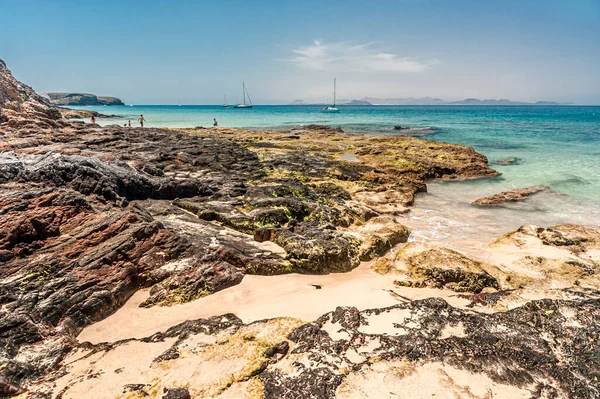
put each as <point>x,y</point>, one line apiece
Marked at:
<point>431,101</point>
<point>339,102</point>
<point>439,101</point>
<point>80,99</point>
<point>357,102</point>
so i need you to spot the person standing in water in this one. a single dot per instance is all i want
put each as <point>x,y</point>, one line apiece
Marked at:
<point>141,120</point>
<point>93,120</point>
<point>129,124</point>
<point>215,123</point>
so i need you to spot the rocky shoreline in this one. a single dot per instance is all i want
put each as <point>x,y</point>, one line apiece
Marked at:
<point>91,215</point>
<point>68,113</point>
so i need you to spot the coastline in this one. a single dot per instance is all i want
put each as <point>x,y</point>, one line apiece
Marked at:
<point>387,280</point>
<point>245,263</point>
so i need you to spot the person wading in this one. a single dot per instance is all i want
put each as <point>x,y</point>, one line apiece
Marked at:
<point>215,123</point>
<point>141,120</point>
<point>93,120</point>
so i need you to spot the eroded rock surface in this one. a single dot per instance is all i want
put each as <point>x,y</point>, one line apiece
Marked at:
<point>518,194</point>
<point>20,105</point>
<point>544,349</point>
<point>82,114</point>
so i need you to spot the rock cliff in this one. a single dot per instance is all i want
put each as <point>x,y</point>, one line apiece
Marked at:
<point>80,99</point>
<point>20,104</point>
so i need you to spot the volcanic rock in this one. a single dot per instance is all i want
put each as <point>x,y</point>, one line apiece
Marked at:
<point>547,348</point>
<point>20,104</point>
<point>518,194</point>
<point>82,114</point>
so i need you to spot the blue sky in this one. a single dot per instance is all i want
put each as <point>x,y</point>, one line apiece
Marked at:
<point>162,52</point>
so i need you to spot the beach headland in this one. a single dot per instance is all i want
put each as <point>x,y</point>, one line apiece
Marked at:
<point>177,263</point>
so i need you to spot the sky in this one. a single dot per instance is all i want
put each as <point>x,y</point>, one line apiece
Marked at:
<point>195,52</point>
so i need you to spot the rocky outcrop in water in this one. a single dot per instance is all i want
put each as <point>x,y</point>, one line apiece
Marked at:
<point>82,114</point>
<point>518,194</point>
<point>80,99</point>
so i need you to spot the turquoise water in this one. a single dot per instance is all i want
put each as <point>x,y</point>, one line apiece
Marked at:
<point>556,146</point>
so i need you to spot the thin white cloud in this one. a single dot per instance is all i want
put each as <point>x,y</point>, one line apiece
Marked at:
<point>342,56</point>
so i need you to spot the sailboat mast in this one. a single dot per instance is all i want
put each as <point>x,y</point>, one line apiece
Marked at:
<point>334,92</point>
<point>244,91</point>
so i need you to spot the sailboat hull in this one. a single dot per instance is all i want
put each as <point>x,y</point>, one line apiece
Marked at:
<point>242,106</point>
<point>330,109</point>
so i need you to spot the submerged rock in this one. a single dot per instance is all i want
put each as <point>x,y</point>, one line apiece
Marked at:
<point>508,161</point>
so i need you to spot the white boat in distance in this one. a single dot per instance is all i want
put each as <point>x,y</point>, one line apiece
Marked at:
<point>244,94</point>
<point>225,105</point>
<point>332,108</point>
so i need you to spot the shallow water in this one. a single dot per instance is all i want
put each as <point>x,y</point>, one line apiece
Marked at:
<point>555,146</point>
<point>445,215</point>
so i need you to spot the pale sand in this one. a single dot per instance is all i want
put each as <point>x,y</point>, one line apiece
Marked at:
<point>401,379</point>
<point>294,295</point>
<point>87,376</point>
<point>209,366</point>
<point>263,297</point>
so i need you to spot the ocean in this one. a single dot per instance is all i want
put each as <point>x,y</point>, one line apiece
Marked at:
<point>554,146</point>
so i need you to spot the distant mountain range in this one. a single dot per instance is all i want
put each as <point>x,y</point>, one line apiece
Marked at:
<point>439,101</point>
<point>433,101</point>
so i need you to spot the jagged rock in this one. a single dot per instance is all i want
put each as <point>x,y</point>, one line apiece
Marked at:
<point>93,176</point>
<point>445,268</point>
<point>546,347</point>
<point>518,194</point>
<point>380,235</point>
<point>577,239</point>
<point>20,104</point>
<point>82,113</point>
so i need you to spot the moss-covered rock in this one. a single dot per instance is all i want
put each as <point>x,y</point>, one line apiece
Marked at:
<point>445,268</point>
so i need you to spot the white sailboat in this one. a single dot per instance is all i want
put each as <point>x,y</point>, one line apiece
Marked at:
<point>225,105</point>
<point>332,108</point>
<point>244,94</point>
